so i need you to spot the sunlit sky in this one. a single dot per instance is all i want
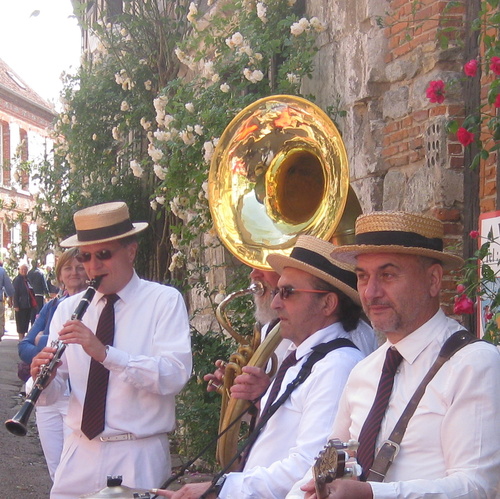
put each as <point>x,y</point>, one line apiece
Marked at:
<point>40,47</point>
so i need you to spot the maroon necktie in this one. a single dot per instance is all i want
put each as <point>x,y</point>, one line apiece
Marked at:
<point>289,361</point>
<point>371,427</point>
<point>94,406</point>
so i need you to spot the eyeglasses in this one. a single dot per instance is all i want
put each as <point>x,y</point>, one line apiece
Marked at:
<point>85,256</point>
<point>287,291</point>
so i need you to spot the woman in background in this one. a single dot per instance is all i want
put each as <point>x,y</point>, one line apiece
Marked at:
<point>71,279</point>
<point>23,300</point>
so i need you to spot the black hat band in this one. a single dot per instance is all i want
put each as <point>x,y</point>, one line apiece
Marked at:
<point>321,263</point>
<point>399,238</point>
<point>105,232</point>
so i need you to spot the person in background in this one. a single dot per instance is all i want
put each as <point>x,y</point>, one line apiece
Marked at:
<point>125,371</point>
<point>23,301</point>
<point>6,293</point>
<point>72,279</point>
<point>450,448</point>
<point>51,277</point>
<point>39,284</point>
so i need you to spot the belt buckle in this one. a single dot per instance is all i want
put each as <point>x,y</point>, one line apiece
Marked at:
<point>118,438</point>
<point>392,444</point>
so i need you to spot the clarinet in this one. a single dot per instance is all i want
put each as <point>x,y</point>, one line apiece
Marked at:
<point>17,425</point>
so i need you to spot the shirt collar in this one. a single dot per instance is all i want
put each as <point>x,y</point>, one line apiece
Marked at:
<point>328,333</point>
<point>127,292</point>
<point>411,346</point>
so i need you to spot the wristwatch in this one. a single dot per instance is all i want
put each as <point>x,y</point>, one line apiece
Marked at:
<point>219,484</point>
<point>105,353</point>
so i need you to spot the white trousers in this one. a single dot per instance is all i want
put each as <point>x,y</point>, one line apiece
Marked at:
<point>85,464</point>
<point>52,430</point>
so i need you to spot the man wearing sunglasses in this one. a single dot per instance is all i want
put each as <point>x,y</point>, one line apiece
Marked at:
<point>318,307</point>
<point>147,362</point>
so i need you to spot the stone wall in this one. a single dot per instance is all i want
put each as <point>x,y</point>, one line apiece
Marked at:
<point>400,155</point>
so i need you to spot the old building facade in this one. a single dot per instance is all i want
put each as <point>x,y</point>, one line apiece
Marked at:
<point>25,119</point>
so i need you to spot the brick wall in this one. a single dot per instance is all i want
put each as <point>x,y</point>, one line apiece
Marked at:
<point>400,154</point>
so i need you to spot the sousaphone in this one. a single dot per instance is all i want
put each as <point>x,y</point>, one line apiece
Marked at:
<point>279,171</point>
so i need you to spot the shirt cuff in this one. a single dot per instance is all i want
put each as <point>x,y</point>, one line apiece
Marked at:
<point>115,359</point>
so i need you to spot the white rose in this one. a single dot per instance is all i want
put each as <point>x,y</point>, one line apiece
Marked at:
<point>317,25</point>
<point>159,172</point>
<point>261,12</point>
<point>136,168</point>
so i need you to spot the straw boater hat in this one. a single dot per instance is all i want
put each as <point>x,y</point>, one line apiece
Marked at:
<point>313,256</point>
<point>102,223</point>
<point>397,232</point>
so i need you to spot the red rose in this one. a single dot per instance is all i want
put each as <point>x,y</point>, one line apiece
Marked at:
<point>435,91</point>
<point>460,288</point>
<point>463,305</point>
<point>474,234</point>
<point>495,64</point>
<point>497,100</point>
<point>489,316</point>
<point>470,68</point>
<point>464,136</point>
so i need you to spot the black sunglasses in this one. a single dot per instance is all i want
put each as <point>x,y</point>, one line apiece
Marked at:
<point>85,256</point>
<point>287,291</point>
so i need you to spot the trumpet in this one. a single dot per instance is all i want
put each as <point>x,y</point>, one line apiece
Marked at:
<point>17,425</point>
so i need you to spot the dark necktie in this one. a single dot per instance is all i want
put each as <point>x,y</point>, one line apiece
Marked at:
<point>371,427</point>
<point>289,361</point>
<point>94,406</point>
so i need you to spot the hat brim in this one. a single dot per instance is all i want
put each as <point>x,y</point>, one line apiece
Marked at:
<point>73,241</point>
<point>279,262</point>
<point>347,254</point>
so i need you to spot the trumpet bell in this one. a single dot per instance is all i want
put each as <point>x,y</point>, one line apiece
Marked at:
<point>279,170</point>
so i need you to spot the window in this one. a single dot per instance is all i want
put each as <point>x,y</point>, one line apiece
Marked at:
<point>114,8</point>
<point>16,80</point>
<point>23,169</point>
<point>4,154</point>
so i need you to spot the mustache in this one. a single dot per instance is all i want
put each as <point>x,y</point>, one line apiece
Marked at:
<point>265,285</point>
<point>378,303</point>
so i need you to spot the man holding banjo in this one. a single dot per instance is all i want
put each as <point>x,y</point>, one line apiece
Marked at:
<point>436,433</point>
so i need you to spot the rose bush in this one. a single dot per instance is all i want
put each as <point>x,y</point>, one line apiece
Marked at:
<point>479,289</point>
<point>481,127</point>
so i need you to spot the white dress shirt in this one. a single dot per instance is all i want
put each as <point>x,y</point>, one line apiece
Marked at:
<point>149,362</point>
<point>451,448</point>
<point>297,431</point>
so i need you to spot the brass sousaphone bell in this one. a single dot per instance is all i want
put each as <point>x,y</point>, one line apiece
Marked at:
<point>279,171</point>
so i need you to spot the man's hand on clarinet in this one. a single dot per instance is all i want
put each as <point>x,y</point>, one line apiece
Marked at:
<point>76,332</point>
<point>40,359</point>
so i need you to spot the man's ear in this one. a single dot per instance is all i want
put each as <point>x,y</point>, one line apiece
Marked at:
<point>331,303</point>
<point>435,273</point>
<point>132,250</point>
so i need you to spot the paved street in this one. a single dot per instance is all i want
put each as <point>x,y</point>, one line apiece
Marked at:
<point>23,472</point>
